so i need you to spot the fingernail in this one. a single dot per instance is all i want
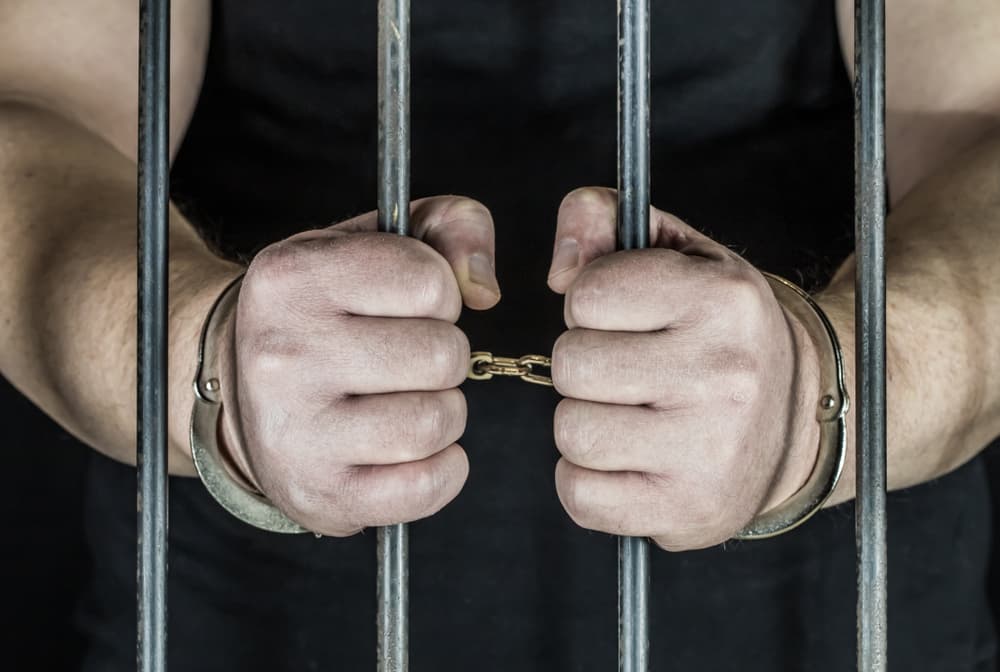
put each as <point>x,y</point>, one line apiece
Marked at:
<point>481,272</point>
<point>567,256</point>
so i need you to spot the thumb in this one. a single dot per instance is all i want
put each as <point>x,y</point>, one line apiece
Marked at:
<point>587,229</point>
<point>460,230</point>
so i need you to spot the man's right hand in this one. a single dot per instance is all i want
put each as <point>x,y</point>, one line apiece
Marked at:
<point>340,383</point>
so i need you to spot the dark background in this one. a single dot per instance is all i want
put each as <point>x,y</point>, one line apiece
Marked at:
<point>45,560</point>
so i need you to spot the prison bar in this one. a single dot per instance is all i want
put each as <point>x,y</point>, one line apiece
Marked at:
<point>392,594</point>
<point>869,306</point>
<point>151,444</point>
<point>633,233</point>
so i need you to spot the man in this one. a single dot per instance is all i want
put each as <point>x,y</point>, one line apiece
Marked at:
<point>687,391</point>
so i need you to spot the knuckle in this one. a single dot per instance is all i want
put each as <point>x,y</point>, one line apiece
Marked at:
<point>585,300</point>
<point>430,425</point>
<point>433,420</point>
<point>563,428</point>
<point>435,291</point>
<point>740,377</point>
<point>261,364</point>
<point>413,492</point>
<point>744,386</point>
<point>449,356</point>
<point>274,269</point>
<point>267,349</point>
<point>424,490</point>
<point>309,501</point>
<point>573,434</point>
<point>363,499</point>
<point>266,357</point>
<point>742,292</point>
<point>422,277</point>
<point>454,415</point>
<point>564,361</point>
<point>433,423</point>
<point>574,500</point>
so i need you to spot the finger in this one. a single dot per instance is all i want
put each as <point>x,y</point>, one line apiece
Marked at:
<point>624,503</point>
<point>401,493</point>
<point>364,355</point>
<point>395,428</point>
<point>459,229</point>
<point>376,355</point>
<point>462,230</point>
<point>316,274</point>
<point>658,369</point>
<point>609,437</point>
<point>637,504</point>
<point>586,229</point>
<point>641,290</point>
<point>343,503</point>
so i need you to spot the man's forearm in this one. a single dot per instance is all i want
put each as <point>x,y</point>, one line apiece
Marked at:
<point>943,317</point>
<point>68,288</point>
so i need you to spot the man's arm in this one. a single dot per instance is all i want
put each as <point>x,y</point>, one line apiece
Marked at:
<point>316,411</point>
<point>943,237</point>
<point>691,393</point>
<point>68,92</point>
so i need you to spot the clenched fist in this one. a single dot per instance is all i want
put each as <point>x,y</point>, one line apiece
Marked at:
<point>690,392</point>
<point>342,371</point>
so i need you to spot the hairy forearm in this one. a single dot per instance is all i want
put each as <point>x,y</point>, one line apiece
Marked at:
<point>943,317</point>
<point>68,287</point>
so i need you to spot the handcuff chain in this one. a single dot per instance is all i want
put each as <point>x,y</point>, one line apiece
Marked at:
<point>485,365</point>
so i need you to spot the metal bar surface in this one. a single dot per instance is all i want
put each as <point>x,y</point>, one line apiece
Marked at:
<point>633,233</point>
<point>151,451</point>
<point>870,213</point>
<point>394,116</point>
<point>392,593</point>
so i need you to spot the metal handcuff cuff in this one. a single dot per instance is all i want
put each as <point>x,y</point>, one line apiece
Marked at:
<point>255,509</point>
<point>251,507</point>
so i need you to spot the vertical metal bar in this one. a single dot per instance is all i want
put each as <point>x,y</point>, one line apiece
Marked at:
<point>151,456</point>
<point>392,591</point>
<point>394,116</point>
<point>633,232</point>
<point>870,212</point>
<point>633,124</point>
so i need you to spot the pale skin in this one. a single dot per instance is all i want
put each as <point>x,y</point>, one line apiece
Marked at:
<point>687,414</point>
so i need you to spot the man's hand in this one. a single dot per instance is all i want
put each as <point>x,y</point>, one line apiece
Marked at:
<point>342,402</point>
<point>689,390</point>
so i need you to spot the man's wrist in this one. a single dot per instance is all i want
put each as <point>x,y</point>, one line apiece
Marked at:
<point>826,374</point>
<point>838,304</point>
<point>230,438</point>
<point>802,446</point>
<point>191,298</point>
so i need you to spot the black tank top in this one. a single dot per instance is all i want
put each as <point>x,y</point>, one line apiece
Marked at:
<point>514,104</point>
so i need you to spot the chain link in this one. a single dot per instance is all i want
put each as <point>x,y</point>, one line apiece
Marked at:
<point>484,365</point>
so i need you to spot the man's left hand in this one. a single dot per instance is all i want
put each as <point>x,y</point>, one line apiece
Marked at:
<point>689,391</point>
